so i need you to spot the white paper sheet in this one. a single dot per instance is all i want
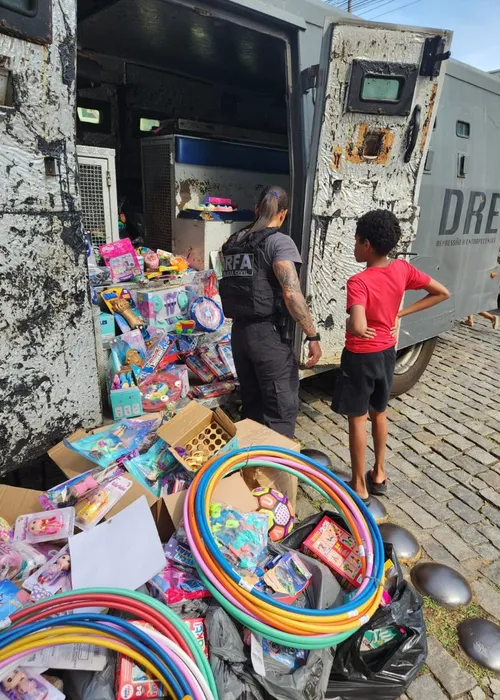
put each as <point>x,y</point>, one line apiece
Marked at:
<point>73,657</point>
<point>123,552</point>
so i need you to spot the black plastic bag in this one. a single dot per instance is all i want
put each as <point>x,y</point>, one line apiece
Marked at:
<point>387,672</point>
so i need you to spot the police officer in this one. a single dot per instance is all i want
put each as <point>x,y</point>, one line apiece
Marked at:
<point>260,291</point>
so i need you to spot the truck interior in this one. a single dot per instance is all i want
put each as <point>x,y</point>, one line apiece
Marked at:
<point>159,67</point>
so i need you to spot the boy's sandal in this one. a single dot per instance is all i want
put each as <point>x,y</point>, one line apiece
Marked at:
<point>366,501</point>
<point>373,488</point>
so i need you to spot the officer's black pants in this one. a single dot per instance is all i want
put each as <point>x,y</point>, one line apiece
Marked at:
<point>268,374</point>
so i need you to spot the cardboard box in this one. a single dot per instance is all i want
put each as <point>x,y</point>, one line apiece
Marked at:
<point>189,424</point>
<point>16,501</point>
<point>250,434</point>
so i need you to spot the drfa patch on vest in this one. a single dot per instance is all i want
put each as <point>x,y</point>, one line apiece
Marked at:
<point>238,265</point>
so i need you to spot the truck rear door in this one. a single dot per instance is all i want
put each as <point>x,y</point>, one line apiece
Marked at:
<point>377,96</point>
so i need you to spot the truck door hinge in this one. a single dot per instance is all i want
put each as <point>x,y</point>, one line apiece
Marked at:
<point>432,57</point>
<point>108,178</point>
<point>309,78</point>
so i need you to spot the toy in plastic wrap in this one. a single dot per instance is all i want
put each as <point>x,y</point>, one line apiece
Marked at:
<point>52,578</point>
<point>278,509</point>
<point>289,578</point>
<point>45,527</point>
<point>120,302</point>
<point>11,600</point>
<point>207,314</point>
<point>195,364</point>
<point>163,351</point>
<point>149,468</point>
<point>242,537</point>
<point>214,390</point>
<point>121,259</point>
<point>110,445</point>
<point>161,392</point>
<point>96,505</point>
<point>23,684</point>
<point>18,560</point>
<point>128,350</point>
<point>288,657</point>
<point>210,357</point>
<point>177,548</point>
<point>175,585</point>
<point>178,480</point>
<point>6,532</point>
<point>226,355</point>
<point>70,492</point>
<point>334,546</point>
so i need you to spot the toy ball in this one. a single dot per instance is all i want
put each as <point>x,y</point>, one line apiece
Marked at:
<point>278,509</point>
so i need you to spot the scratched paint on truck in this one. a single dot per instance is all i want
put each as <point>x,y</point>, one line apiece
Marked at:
<point>346,182</point>
<point>48,377</point>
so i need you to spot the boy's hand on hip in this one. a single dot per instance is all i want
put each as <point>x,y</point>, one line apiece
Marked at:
<point>367,334</point>
<point>395,328</point>
<point>314,353</point>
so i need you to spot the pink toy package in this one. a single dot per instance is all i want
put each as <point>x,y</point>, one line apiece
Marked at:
<point>45,527</point>
<point>23,684</point>
<point>121,259</point>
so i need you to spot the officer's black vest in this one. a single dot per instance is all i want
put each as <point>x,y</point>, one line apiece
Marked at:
<point>249,288</point>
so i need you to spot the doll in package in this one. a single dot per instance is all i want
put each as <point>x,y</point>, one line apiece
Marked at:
<point>52,578</point>
<point>150,467</point>
<point>18,560</point>
<point>92,509</point>
<point>70,492</point>
<point>23,684</point>
<point>109,446</point>
<point>45,527</point>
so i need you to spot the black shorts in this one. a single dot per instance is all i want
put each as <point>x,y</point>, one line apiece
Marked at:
<point>364,382</point>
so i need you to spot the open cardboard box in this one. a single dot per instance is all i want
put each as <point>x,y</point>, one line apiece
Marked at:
<point>190,423</point>
<point>235,490</point>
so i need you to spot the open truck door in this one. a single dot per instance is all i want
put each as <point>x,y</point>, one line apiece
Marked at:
<point>378,89</point>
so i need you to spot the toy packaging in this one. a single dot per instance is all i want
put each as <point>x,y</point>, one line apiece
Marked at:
<point>207,314</point>
<point>175,585</point>
<point>164,350</point>
<point>132,682</point>
<point>292,659</point>
<point>210,357</point>
<point>165,307</point>
<point>70,492</point>
<point>92,509</point>
<point>242,537</point>
<point>376,638</point>
<point>181,372</point>
<point>226,355</point>
<point>161,392</point>
<point>125,397</point>
<point>177,548</point>
<point>10,600</point>
<point>120,302</point>
<point>22,683</point>
<point>289,577</point>
<point>197,627</point>
<point>110,445</point>
<point>53,577</point>
<point>46,526</point>
<point>335,547</point>
<point>149,468</point>
<point>213,390</point>
<point>175,481</point>
<point>107,323</point>
<point>199,368</point>
<point>121,259</point>
<point>6,532</point>
<point>18,560</point>
<point>129,350</point>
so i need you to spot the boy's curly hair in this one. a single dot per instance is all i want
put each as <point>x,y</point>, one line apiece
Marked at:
<point>381,228</point>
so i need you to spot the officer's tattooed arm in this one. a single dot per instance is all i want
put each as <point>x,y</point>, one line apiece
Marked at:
<point>294,299</point>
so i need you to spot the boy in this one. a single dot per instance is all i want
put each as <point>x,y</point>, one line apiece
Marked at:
<point>373,303</point>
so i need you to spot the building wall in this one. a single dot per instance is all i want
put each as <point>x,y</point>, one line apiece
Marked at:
<point>48,377</point>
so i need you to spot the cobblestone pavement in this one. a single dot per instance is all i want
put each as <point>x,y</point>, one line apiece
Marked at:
<point>443,464</point>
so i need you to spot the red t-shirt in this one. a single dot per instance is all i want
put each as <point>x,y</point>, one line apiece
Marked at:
<point>380,291</point>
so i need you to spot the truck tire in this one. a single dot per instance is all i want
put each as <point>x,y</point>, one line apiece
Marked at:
<point>410,365</point>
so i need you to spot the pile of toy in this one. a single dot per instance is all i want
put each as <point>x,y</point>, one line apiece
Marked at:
<point>166,342</point>
<point>234,598</point>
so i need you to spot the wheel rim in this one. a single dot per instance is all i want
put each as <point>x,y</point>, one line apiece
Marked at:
<point>407,358</point>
